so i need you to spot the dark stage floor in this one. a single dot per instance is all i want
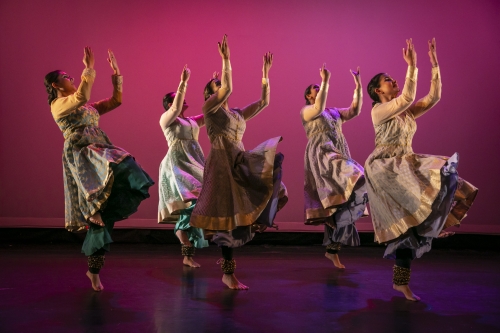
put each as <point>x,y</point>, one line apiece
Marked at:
<point>43,288</point>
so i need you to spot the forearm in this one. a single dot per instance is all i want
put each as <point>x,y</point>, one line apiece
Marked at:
<point>386,111</point>
<point>115,100</point>
<point>64,105</point>
<point>355,108</point>
<point>426,103</point>
<point>255,108</point>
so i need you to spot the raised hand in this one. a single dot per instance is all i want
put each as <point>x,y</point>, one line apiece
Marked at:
<point>186,73</point>
<point>113,63</point>
<point>357,77</point>
<point>432,52</point>
<point>88,57</point>
<point>267,63</point>
<point>324,73</point>
<point>409,54</point>
<point>224,48</point>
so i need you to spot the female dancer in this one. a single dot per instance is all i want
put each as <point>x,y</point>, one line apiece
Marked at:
<point>334,185</point>
<point>241,188</point>
<point>181,171</point>
<point>102,183</point>
<point>412,196</point>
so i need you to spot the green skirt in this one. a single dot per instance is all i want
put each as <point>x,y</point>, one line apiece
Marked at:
<point>130,187</point>
<point>195,234</point>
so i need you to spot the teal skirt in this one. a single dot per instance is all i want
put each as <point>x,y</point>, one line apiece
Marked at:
<point>195,234</point>
<point>130,187</point>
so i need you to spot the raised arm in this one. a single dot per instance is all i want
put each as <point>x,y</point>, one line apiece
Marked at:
<point>309,112</point>
<point>425,104</point>
<point>215,101</point>
<point>383,112</point>
<point>357,100</point>
<point>255,108</point>
<point>115,100</point>
<point>168,117</point>
<point>200,120</point>
<point>62,106</point>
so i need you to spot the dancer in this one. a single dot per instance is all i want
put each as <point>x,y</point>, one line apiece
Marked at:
<point>412,196</point>
<point>241,188</point>
<point>334,184</point>
<point>103,183</point>
<point>181,171</point>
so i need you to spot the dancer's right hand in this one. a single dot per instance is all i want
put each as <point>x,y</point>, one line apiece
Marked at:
<point>186,73</point>
<point>88,57</point>
<point>224,48</point>
<point>409,54</point>
<point>325,73</point>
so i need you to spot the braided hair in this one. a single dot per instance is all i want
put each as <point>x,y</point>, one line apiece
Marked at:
<point>49,79</point>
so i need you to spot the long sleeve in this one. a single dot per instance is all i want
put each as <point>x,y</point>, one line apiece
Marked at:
<point>216,100</point>
<point>168,117</point>
<point>355,108</point>
<point>309,112</point>
<point>63,106</point>
<point>425,104</point>
<point>115,100</point>
<point>383,112</point>
<point>255,108</point>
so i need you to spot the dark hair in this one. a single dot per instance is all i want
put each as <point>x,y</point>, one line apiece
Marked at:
<point>372,85</point>
<point>169,98</point>
<point>208,91</point>
<point>49,79</point>
<point>308,91</point>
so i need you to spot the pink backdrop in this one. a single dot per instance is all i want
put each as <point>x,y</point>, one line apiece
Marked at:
<point>152,40</point>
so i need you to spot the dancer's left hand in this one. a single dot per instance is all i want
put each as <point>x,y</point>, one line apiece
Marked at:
<point>432,52</point>
<point>267,63</point>
<point>113,63</point>
<point>357,77</point>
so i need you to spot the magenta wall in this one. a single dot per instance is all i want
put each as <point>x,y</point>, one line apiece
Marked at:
<point>152,40</point>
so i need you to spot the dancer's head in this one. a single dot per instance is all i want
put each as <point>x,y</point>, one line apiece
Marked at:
<point>58,81</point>
<point>311,93</point>
<point>168,100</point>
<point>382,85</point>
<point>211,88</point>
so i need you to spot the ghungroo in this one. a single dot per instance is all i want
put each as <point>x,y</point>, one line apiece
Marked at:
<point>95,263</point>
<point>333,247</point>
<point>187,251</point>
<point>401,275</point>
<point>227,266</point>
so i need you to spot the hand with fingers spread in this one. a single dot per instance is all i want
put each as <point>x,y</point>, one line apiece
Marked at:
<point>186,73</point>
<point>357,78</point>
<point>325,73</point>
<point>432,52</point>
<point>88,57</point>
<point>224,48</point>
<point>267,63</point>
<point>410,55</point>
<point>113,63</point>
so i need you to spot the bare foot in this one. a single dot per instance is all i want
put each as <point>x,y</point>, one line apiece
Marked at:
<point>188,261</point>
<point>96,282</point>
<point>183,237</point>
<point>405,289</point>
<point>335,259</point>
<point>232,282</point>
<point>96,219</point>
<point>445,234</point>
